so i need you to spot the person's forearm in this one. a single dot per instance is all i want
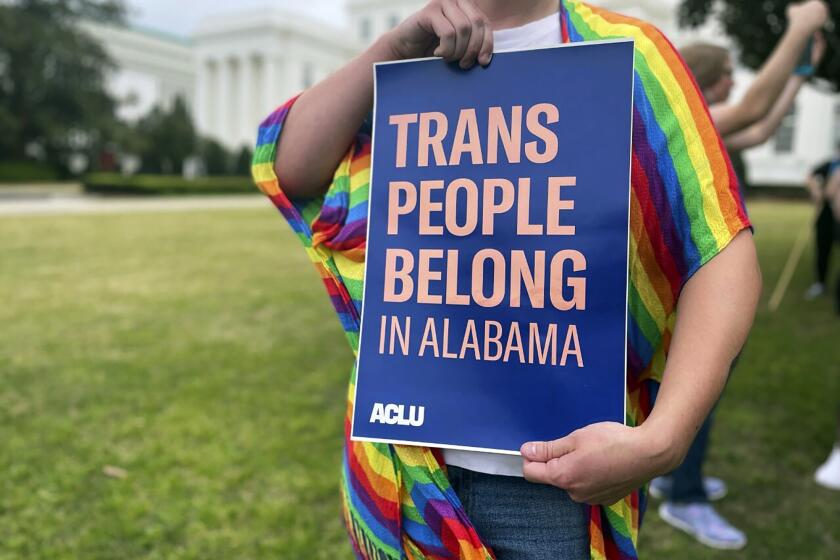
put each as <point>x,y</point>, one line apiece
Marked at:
<point>714,316</point>
<point>814,186</point>
<point>832,194</point>
<point>832,189</point>
<point>760,132</point>
<point>323,122</point>
<point>772,77</point>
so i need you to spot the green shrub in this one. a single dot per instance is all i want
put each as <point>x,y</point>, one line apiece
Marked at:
<point>22,171</point>
<point>116,184</point>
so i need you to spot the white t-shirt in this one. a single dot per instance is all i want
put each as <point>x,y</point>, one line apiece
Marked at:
<point>544,32</point>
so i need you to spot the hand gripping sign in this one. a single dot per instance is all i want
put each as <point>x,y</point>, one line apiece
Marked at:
<point>495,297</point>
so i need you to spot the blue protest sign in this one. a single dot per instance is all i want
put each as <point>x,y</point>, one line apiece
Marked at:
<point>495,298</point>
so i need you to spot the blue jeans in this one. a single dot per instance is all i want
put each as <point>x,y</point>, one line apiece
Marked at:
<point>520,520</point>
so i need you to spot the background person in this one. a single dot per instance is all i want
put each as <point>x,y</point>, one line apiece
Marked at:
<point>307,152</point>
<point>828,474</point>
<point>832,193</point>
<point>745,124</point>
<point>805,19</point>
<point>712,67</point>
<point>826,226</point>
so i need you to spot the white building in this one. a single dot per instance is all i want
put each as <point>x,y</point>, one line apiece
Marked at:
<point>235,68</point>
<point>371,18</point>
<point>247,63</point>
<point>153,68</point>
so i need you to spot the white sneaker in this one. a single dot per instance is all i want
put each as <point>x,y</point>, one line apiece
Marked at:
<point>828,474</point>
<point>816,290</point>
<point>701,521</point>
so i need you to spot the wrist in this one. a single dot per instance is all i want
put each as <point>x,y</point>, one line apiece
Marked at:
<point>804,71</point>
<point>386,48</point>
<point>797,29</point>
<point>662,446</point>
<point>804,28</point>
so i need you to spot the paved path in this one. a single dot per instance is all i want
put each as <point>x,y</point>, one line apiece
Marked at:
<point>96,205</point>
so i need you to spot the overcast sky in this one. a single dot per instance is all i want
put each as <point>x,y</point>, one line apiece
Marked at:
<point>182,16</point>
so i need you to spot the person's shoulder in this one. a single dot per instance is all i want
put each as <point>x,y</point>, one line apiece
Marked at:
<point>661,73</point>
<point>607,22</point>
<point>654,50</point>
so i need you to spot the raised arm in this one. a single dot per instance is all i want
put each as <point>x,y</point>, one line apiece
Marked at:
<point>603,463</point>
<point>814,185</point>
<point>804,20</point>
<point>325,119</point>
<point>760,132</point>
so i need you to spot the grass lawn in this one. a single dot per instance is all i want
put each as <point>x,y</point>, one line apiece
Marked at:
<point>198,353</point>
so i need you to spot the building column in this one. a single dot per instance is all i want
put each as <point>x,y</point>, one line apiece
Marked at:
<point>247,121</point>
<point>202,97</point>
<point>222,117</point>
<point>270,95</point>
<point>293,75</point>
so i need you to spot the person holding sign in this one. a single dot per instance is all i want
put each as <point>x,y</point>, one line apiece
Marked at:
<point>693,274</point>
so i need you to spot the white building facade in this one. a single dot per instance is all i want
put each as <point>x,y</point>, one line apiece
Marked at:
<point>235,68</point>
<point>153,68</point>
<point>368,19</point>
<point>247,63</point>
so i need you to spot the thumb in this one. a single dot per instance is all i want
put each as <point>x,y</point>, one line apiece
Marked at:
<point>544,451</point>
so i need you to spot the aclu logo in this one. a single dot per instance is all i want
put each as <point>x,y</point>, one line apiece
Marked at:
<point>396,414</point>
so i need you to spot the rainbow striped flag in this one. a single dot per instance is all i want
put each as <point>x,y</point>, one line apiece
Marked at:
<point>685,208</point>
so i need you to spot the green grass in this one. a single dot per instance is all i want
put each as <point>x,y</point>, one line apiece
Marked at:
<point>198,352</point>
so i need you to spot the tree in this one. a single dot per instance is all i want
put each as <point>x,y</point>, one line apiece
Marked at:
<point>52,78</point>
<point>216,158</point>
<point>243,161</point>
<point>168,137</point>
<point>756,26</point>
